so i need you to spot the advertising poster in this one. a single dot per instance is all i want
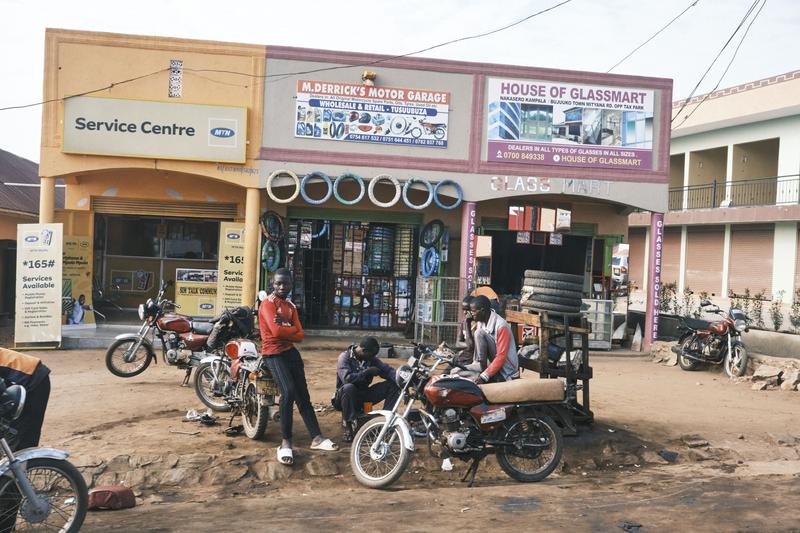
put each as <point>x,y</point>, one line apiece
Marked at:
<point>363,113</point>
<point>567,124</point>
<point>196,292</point>
<point>231,265</point>
<point>39,287</point>
<point>76,307</point>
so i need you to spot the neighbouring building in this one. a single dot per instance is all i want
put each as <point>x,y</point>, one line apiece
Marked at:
<point>221,131</point>
<point>734,196</point>
<point>19,204</point>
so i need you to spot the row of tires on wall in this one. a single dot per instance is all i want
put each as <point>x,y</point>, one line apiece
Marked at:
<point>553,292</point>
<point>401,190</point>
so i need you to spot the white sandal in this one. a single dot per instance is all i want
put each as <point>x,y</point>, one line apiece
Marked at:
<point>285,456</point>
<point>326,445</point>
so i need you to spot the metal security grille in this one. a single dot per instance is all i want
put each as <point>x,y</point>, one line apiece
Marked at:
<point>353,275</point>
<point>438,308</point>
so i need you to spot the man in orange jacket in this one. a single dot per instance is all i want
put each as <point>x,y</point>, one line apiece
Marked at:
<point>280,330</point>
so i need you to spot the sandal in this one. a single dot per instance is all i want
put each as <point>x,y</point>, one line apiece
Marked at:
<point>326,445</point>
<point>285,456</point>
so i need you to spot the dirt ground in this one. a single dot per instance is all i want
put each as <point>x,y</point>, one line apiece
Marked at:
<point>737,468</point>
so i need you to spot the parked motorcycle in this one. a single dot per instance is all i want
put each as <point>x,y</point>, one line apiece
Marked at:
<point>183,341</point>
<point>39,489</point>
<point>719,342</point>
<point>251,392</point>
<point>214,371</point>
<point>463,420</point>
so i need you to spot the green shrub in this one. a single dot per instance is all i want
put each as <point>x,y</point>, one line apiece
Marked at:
<point>758,309</point>
<point>776,311</point>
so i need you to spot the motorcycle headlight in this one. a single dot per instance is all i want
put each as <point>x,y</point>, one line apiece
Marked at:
<point>740,325</point>
<point>141,311</point>
<point>402,375</point>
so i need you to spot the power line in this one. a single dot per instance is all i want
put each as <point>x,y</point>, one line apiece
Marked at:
<point>109,86</point>
<point>289,74</point>
<point>735,31</point>
<point>736,51</point>
<point>679,15</point>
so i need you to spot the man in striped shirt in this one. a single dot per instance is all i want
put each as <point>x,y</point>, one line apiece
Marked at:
<point>280,330</point>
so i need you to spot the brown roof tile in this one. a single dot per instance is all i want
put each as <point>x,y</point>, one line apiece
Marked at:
<point>15,169</point>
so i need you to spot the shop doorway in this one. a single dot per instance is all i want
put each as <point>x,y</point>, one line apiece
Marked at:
<point>353,275</point>
<point>132,254</point>
<point>510,259</point>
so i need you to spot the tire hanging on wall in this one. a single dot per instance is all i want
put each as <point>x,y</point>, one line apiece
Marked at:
<point>271,225</point>
<point>407,187</point>
<point>294,178</point>
<point>371,190</point>
<point>346,176</point>
<point>459,191</point>
<point>431,233</point>
<point>307,178</point>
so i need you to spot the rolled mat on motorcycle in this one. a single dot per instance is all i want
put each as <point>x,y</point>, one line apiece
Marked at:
<point>461,420</point>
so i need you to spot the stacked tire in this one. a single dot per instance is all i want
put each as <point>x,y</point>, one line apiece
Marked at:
<point>553,292</point>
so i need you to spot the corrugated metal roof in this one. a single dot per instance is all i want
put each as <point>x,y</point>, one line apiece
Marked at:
<point>15,169</point>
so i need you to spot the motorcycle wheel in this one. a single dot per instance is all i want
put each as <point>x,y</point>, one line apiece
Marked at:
<point>736,365</point>
<point>204,386</point>
<point>378,472</point>
<point>439,133</point>
<point>254,415</point>
<point>115,358</point>
<point>55,481</point>
<point>416,133</point>
<point>534,463</point>
<point>684,362</point>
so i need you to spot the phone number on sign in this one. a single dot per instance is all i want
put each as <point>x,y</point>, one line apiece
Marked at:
<point>522,155</point>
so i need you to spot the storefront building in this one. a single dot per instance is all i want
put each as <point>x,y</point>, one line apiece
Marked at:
<point>349,163</point>
<point>151,165</point>
<point>504,135</point>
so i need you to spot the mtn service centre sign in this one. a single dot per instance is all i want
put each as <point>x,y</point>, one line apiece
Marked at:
<point>151,129</point>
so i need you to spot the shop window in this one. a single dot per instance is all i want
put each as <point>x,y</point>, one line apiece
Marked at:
<point>191,240</point>
<point>133,236</point>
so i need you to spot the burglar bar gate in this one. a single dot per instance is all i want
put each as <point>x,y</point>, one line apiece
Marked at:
<point>353,275</point>
<point>438,309</point>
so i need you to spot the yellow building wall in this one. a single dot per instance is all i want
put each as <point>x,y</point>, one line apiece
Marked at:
<point>8,224</point>
<point>78,61</point>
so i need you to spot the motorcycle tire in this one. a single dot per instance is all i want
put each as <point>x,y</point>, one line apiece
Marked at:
<point>254,415</point>
<point>538,305</point>
<point>685,363</point>
<point>431,233</point>
<point>56,469</point>
<point>556,276</point>
<point>120,371</point>
<point>553,284</point>
<point>536,427</point>
<point>576,295</point>
<point>363,439</point>
<point>736,367</point>
<point>203,377</point>
<point>558,300</point>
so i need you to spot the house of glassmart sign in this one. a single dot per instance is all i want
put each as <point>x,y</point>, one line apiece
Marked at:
<point>165,130</point>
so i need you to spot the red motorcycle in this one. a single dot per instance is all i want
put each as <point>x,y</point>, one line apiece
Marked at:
<point>463,420</point>
<point>183,341</point>
<point>719,342</point>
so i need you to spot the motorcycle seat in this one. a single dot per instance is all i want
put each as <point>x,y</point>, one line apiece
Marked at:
<point>695,323</point>
<point>202,328</point>
<point>524,390</point>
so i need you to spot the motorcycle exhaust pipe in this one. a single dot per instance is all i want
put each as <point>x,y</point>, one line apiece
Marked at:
<point>683,353</point>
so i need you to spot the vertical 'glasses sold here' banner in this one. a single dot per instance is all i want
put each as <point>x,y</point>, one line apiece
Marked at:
<point>39,288</point>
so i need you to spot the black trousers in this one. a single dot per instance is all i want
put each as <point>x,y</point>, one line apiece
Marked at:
<point>288,370</point>
<point>352,398</point>
<point>29,424</point>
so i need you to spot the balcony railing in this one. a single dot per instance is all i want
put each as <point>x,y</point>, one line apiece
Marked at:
<point>778,190</point>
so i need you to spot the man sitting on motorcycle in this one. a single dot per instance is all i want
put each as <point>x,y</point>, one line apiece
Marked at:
<point>495,350</point>
<point>355,369</point>
<point>30,372</point>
